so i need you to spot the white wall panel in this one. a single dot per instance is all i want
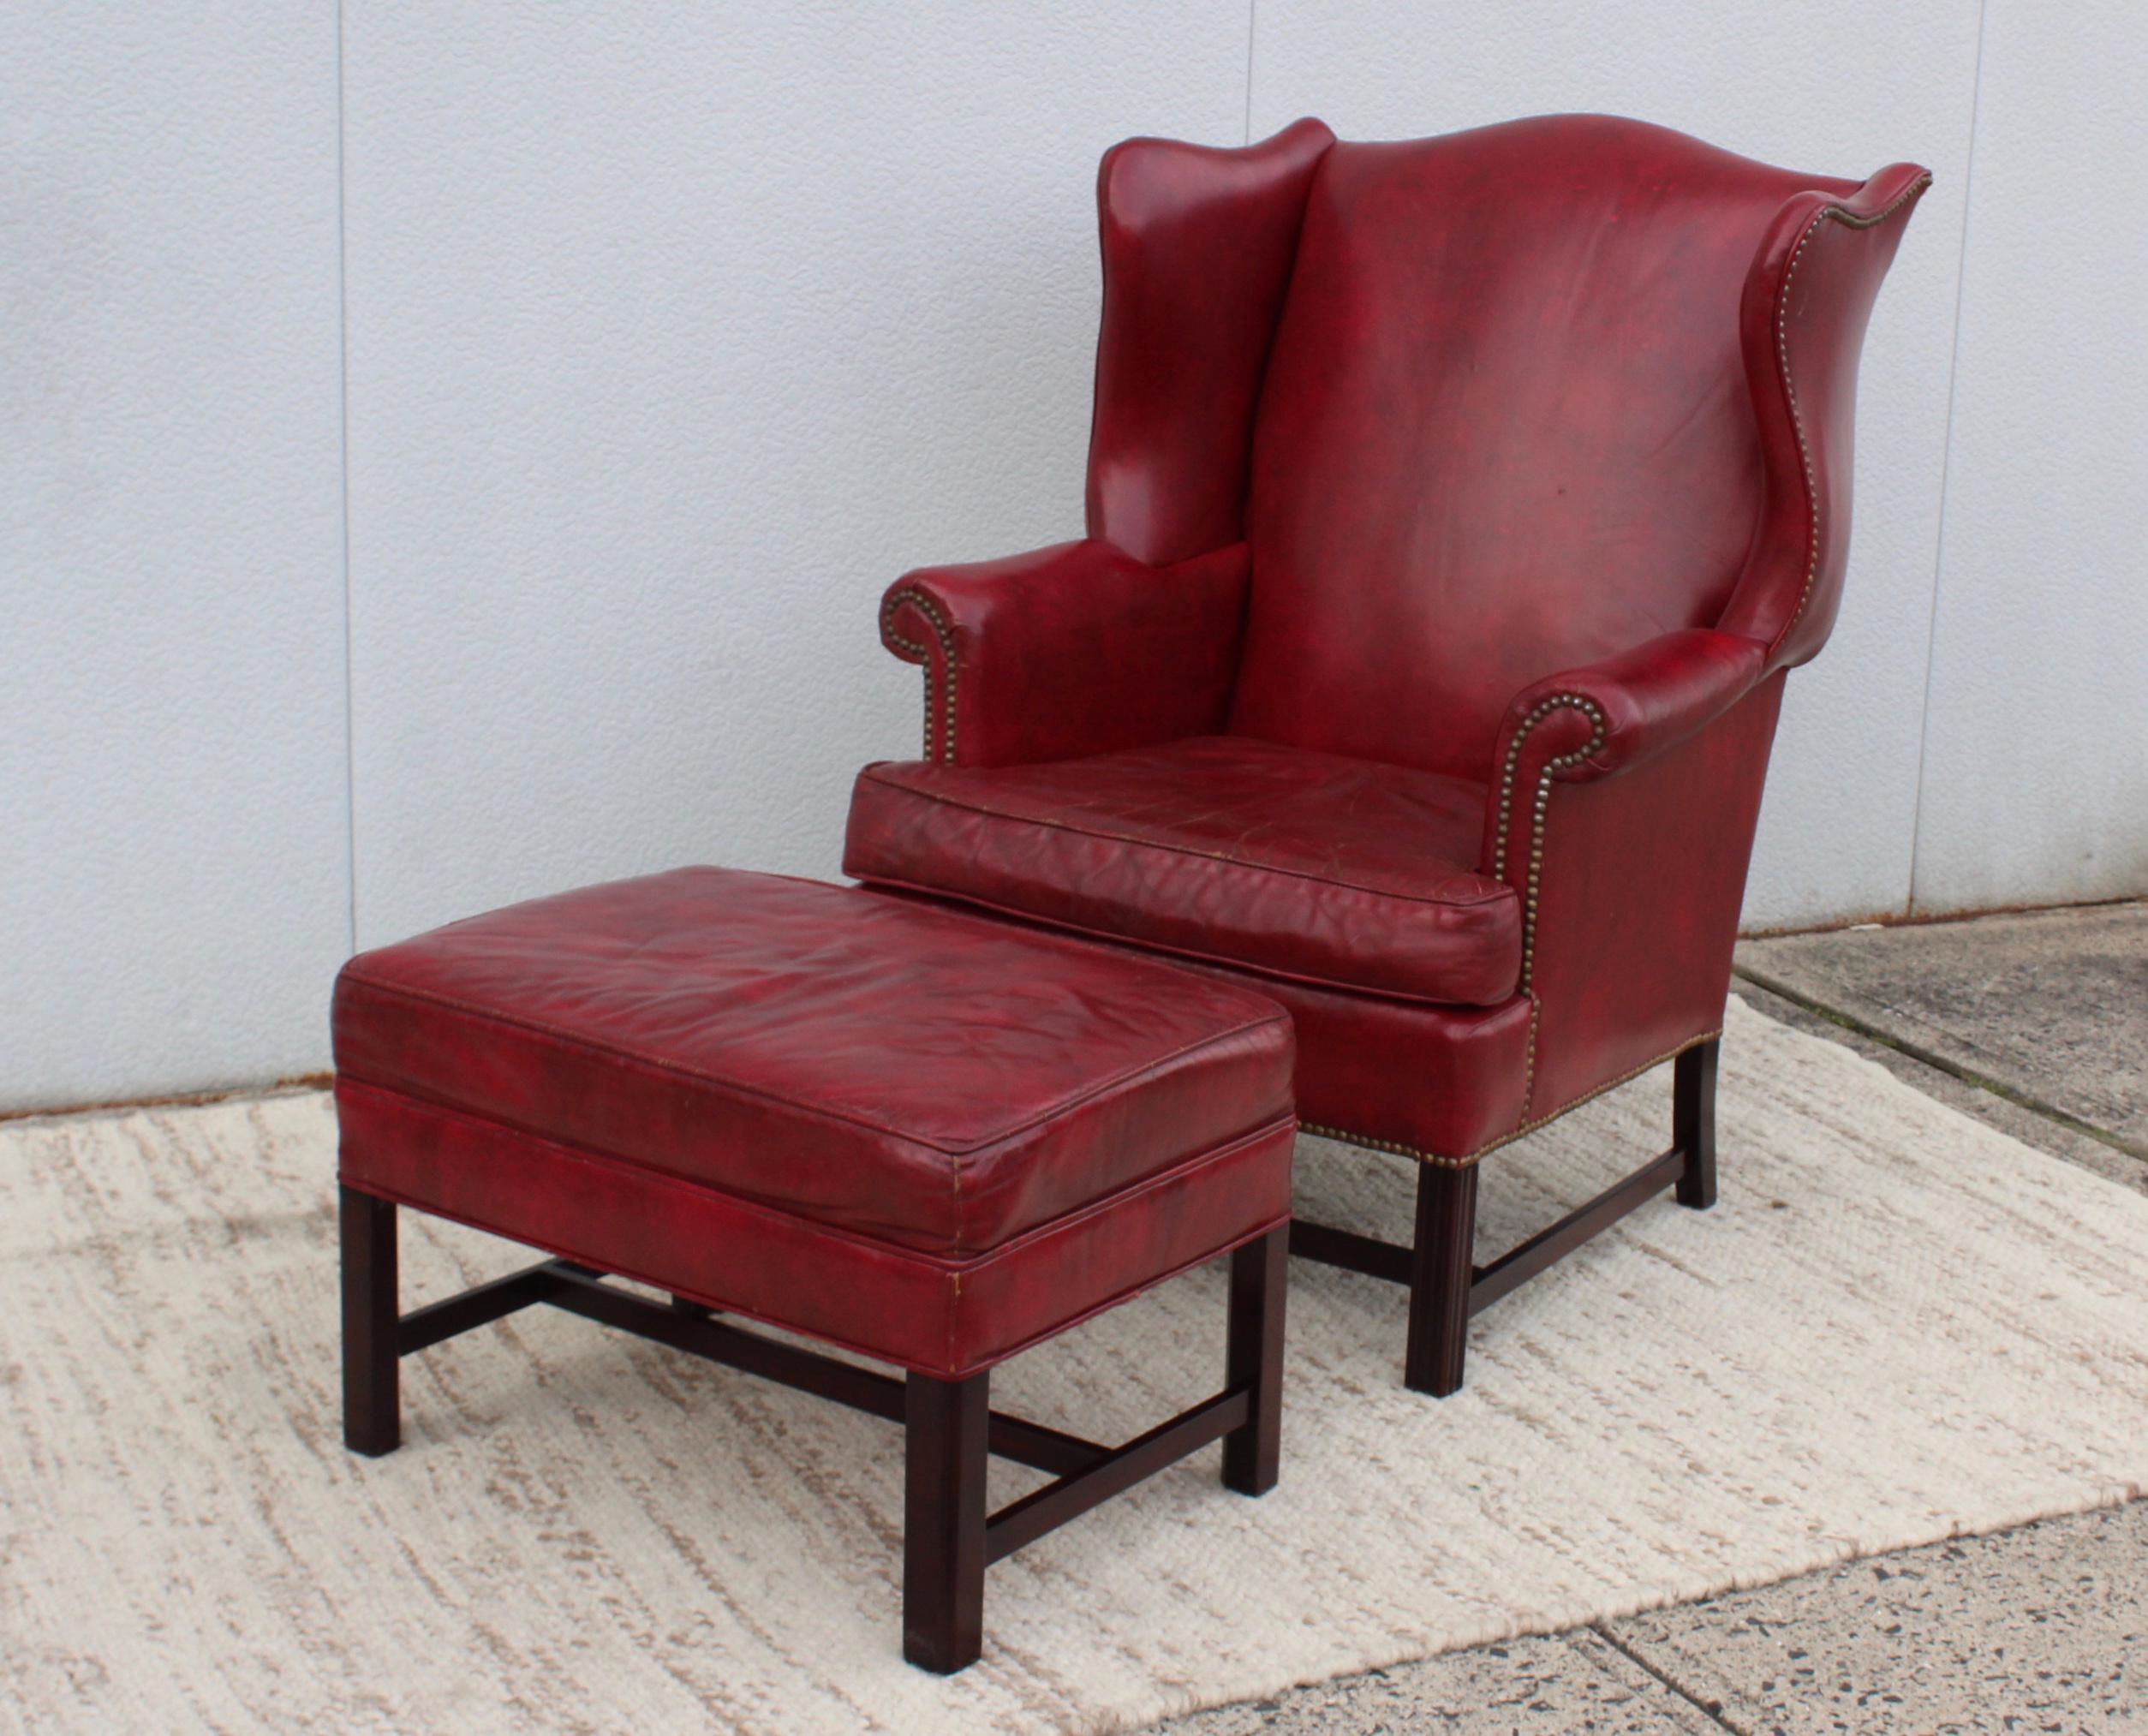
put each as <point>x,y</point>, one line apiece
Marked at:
<point>1836,86</point>
<point>2036,762</point>
<point>676,333</point>
<point>174,897</point>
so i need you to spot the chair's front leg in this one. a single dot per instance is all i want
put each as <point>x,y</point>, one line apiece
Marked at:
<point>1260,1273</point>
<point>1693,1122</point>
<point>373,1404</point>
<point>945,1424</point>
<point>1442,1270</point>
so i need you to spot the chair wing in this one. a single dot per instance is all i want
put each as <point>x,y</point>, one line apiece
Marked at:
<point>1198,245</point>
<point>1802,325</point>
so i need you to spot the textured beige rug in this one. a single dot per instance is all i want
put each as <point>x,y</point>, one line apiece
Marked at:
<point>1898,1324</point>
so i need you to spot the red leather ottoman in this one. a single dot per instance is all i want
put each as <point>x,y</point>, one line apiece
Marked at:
<point>916,1134</point>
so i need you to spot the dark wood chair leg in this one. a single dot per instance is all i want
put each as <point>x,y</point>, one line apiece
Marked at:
<point>1260,1275</point>
<point>372,1405</point>
<point>945,1424</point>
<point>1693,1122</point>
<point>692,1309</point>
<point>1441,1270</point>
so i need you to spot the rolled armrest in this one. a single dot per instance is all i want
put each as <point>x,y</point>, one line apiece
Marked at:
<point>1591,723</point>
<point>1070,650</point>
<point>1630,879</point>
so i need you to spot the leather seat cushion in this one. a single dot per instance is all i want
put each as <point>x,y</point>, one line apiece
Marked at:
<point>910,1075</point>
<point>1310,867</point>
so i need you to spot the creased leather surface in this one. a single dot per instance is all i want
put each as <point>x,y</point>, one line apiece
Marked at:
<point>868,1063</point>
<point>1307,866</point>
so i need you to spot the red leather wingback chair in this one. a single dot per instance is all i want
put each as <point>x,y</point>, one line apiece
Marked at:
<point>1455,508</point>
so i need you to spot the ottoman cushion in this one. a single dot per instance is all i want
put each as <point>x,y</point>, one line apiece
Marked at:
<point>828,1106</point>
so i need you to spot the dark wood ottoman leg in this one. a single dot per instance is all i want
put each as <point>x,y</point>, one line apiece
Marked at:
<point>946,1424</point>
<point>1254,1358</point>
<point>1441,1271</point>
<point>1693,1122</point>
<point>372,1409</point>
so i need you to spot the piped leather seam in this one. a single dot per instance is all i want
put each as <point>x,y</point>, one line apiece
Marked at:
<point>1166,951</point>
<point>1476,901</point>
<point>630,1061</point>
<point>943,701</point>
<point>1848,219</point>
<point>899,1252</point>
<point>952,1262</point>
<point>790,1212</point>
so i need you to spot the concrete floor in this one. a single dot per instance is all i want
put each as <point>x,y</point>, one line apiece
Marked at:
<point>2037,1024</point>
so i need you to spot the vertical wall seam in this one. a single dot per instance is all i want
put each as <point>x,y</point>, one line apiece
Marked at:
<point>1252,17</point>
<point>343,392</point>
<point>1945,460</point>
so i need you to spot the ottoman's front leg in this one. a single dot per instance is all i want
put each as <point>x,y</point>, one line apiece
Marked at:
<point>373,1404</point>
<point>946,1424</point>
<point>1253,1359</point>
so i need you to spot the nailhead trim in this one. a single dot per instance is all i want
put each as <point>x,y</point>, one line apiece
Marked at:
<point>1848,219</point>
<point>1528,1127</point>
<point>918,653</point>
<point>1559,762</point>
<point>1529,1068</point>
<point>1599,728</point>
<point>1386,1145</point>
<point>1484,1150</point>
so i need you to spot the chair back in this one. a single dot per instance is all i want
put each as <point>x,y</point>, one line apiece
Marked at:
<point>1505,429</point>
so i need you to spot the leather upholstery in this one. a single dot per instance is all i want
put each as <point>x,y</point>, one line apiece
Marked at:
<point>944,1316</point>
<point>1560,466</point>
<point>877,1065</point>
<point>1339,872</point>
<point>927,1137</point>
<point>1639,878</point>
<point>1544,481</point>
<point>1619,712</point>
<point>1444,1083</point>
<point>1068,650</point>
<point>1198,245</point>
<point>1802,329</point>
